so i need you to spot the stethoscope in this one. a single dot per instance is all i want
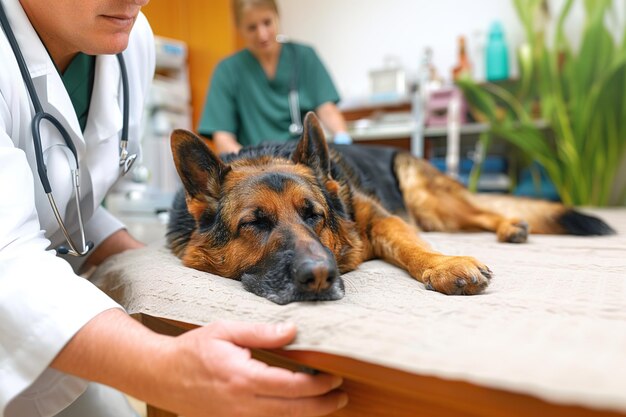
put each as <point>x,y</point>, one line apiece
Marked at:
<point>126,159</point>
<point>295,128</point>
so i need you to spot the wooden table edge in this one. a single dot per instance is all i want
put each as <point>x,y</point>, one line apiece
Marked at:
<point>459,397</point>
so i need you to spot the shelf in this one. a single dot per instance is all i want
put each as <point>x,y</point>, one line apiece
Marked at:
<point>469,129</point>
<point>466,129</point>
<point>380,130</point>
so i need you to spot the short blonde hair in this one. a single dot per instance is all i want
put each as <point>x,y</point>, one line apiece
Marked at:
<point>239,7</point>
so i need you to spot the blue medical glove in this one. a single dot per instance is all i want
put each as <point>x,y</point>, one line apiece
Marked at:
<point>342,138</point>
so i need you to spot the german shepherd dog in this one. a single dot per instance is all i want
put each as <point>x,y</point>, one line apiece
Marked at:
<point>288,219</point>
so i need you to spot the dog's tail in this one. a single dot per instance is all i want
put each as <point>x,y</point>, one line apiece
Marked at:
<point>545,217</point>
<point>577,223</point>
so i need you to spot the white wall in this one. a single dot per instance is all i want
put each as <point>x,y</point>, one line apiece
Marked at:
<point>354,36</point>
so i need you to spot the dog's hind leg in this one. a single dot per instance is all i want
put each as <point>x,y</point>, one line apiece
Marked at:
<point>390,238</point>
<point>544,217</point>
<point>436,202</point>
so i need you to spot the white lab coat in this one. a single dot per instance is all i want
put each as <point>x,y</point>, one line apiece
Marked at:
<point>43,303</point>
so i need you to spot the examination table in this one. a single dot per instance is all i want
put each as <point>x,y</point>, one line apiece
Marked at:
<point>547,338</point>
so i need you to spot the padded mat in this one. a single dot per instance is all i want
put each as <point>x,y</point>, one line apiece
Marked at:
<point>552,323</point>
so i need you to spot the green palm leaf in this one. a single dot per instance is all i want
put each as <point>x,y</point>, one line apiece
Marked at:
<point>582,96</point>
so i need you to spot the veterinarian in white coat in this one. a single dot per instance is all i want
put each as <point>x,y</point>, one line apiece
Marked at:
<point>58,331</point>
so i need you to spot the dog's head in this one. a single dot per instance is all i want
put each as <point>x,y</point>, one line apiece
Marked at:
<point>279,224</point>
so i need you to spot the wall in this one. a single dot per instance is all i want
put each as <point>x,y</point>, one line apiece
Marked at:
<point>355,36</point>
<point>206,27</point>
<point>351,36</point>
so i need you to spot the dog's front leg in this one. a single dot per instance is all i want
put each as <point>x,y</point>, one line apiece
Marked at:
<point>390,238</point>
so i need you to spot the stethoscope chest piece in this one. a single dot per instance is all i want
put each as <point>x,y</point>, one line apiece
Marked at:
<point>295,129</point>
<point>126,160</point>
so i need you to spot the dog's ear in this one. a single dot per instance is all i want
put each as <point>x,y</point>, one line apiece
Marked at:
<point>312,149</point>
<point>200,171</point>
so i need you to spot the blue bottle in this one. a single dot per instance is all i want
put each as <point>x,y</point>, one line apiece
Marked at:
<point>496,54</point>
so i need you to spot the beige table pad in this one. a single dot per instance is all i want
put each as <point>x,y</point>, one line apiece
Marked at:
<point>552,324</point>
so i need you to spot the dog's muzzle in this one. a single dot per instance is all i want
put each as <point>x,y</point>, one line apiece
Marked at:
<point>287,277</point>
<point>315,275</point>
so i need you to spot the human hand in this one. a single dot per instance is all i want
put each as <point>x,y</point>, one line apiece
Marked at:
<point>226,148</point>
<point>225,142</point>
<point>211,372</point>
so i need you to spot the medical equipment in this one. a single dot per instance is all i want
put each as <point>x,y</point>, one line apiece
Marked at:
<point>295,128</point>
<point>126,160</point>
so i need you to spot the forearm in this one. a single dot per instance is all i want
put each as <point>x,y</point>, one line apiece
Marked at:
<point>332,118</point>
<point>116,350</point>
<point>206,370</point>
<point>118,242</point>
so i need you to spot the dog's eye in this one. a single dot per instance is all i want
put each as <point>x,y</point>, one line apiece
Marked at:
<point>312,217</point>
<point>311,213</point>
<point>260,223</point>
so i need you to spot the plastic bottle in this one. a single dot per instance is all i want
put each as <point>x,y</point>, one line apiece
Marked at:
<point>477,55</point>
<point>496,54</point>
<point>463,66</point>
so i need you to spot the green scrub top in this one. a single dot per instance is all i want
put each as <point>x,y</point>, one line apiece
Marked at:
<point>78,80</point>
<point>243,101</point>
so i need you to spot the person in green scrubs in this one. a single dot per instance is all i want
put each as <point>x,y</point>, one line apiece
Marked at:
<point>248,100</point>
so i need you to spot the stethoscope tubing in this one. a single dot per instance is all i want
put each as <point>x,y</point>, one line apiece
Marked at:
<point>125,162</point>
<point>295,128</point>
<point>39,113</point>
<point>125,98</point>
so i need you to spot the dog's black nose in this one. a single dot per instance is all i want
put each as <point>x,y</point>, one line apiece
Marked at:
<point>315,275</point>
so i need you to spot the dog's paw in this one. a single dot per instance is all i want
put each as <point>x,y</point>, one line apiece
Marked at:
<point>457,275</point>
<point>514,231</point>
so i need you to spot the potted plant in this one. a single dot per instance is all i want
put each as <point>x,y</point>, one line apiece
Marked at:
<point>580,94</point>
